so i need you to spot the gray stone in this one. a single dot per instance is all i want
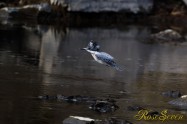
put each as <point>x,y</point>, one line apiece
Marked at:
<point>78,120</point>
<point>172,94</point>
<point>40,7</point>
<point>167,35</point>
<point>24,11</point>
<point>180,102</point>
<point>133,6</point>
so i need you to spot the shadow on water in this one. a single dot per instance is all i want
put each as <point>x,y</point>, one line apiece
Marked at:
<point>38,60</point>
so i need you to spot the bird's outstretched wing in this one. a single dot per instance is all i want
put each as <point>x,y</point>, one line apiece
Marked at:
<point>108,60</point>
<point>105,57</point>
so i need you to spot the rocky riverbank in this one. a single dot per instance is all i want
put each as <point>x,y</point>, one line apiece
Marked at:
<point>88,13</point>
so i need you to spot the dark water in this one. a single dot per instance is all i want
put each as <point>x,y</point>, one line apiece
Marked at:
<point>39,60</point>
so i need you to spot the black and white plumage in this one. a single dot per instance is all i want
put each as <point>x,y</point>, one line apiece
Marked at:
<point>101,57</point>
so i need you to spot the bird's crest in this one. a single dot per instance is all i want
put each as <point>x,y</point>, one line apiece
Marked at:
<point>93,46</point>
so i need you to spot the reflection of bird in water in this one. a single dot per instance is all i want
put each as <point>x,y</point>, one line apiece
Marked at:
<point>101,57</point>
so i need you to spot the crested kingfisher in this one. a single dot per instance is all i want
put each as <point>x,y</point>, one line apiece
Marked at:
<point>101,57</point>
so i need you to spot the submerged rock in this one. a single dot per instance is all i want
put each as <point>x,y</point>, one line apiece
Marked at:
<point>180,103</point>
<point>104,106</point>
<point>47,97</point>
<point>167,35</point>
<point>70,99</point>
<point>78,99</point>
<point>135,108</point>
<point>172,94</point>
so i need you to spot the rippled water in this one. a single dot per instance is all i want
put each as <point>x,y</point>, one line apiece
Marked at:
<point>39,60</point>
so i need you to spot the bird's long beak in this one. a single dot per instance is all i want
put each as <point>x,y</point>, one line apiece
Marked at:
<point>84,49</point>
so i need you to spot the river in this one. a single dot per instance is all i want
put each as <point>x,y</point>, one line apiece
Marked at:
<point>38,60</point>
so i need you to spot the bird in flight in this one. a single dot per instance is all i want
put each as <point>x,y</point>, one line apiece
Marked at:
<point>101,57</point>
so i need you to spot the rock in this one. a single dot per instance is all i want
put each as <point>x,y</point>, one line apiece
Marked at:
<point>135,108</point>
<point>132,6</point>
<point>79,120</point>
<point>180,103</point>
<point>73,99</point>
<point>78,99</point>
<point>104,106</point>
<point>27,11</point>
<point>47,97</point>
<point>172,94</point>
<point>24,13</point>
<point>40,7</point>
<point>167,35</point>
<point>70,99</point>
<point>10,9</point>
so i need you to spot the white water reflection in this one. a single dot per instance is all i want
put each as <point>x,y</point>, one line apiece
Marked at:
<point>49,49</point>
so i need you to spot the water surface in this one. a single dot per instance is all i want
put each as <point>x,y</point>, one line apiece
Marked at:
<point>38,60</point>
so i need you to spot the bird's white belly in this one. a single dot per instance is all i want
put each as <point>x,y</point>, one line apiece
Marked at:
<point>96,59</point>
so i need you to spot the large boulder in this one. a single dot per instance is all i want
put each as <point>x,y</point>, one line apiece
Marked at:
<point>167,35</point>
<point>104,106</point>
<point>133,6</point>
